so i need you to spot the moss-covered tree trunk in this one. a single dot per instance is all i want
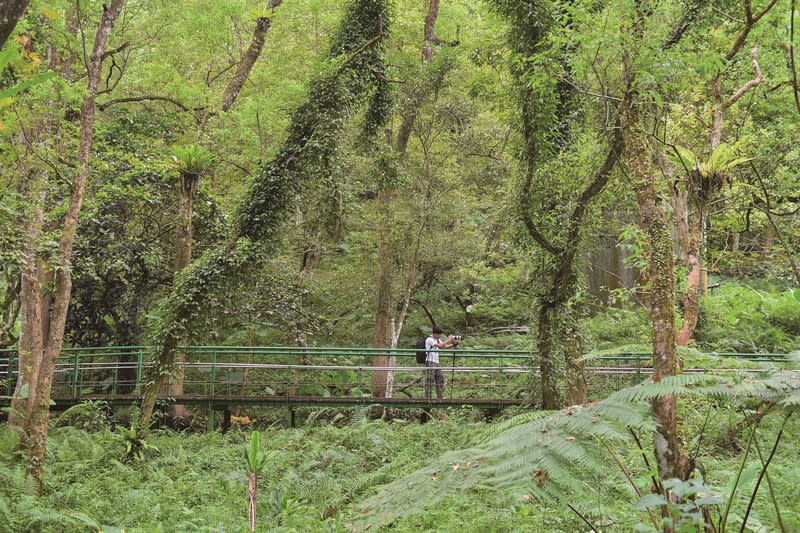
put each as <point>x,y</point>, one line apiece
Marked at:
<point>655,223</point>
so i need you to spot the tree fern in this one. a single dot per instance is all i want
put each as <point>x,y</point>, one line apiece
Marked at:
<point>550,454</point>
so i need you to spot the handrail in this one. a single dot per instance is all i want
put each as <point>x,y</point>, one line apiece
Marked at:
<point>357,351</point>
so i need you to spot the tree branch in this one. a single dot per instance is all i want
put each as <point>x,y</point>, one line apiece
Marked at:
<point>145,98</point>
<point>116,50</point>
<point>792,65</point>
<point>750,20</point>
<point>246,65</point>
<point>750,84</point>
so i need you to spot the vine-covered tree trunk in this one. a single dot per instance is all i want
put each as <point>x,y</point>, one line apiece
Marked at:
<point>656,226</point>
<point>42,355</point>
<point>307,153</point>
<point>544,347</point>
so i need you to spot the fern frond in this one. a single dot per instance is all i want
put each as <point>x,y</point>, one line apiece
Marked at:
<point>523,418</point>
<point>548,454</point>
<point>666,386</point>
<point>792,400</point>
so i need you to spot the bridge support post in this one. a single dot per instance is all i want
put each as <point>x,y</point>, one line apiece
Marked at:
<point>226,419</point>
<point>292,419</point>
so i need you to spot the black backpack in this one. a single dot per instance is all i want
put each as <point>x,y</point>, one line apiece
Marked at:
<point>421,353</point>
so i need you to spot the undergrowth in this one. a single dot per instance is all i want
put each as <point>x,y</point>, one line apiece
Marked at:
<point>319,477</point>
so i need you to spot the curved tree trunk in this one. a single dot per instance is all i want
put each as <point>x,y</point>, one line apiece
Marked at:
<point>246,64</point>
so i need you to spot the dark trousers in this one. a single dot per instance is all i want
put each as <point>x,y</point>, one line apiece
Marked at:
<point>433,375</point>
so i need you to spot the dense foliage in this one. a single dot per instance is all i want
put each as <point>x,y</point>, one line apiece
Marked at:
<point>406,164</point>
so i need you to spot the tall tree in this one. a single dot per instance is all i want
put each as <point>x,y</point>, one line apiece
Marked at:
<point>43,329</point>
<point>655,224</point>
<point>389,316</point>
<point>539,104</point>
<point>702,188</point>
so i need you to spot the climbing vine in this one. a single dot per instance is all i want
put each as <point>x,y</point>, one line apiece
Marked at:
<point>354,72</point>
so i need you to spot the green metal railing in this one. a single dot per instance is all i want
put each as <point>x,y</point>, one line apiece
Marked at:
<point>246,371</point>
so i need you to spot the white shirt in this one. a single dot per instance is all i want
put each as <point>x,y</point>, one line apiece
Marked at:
<point>433,351</point>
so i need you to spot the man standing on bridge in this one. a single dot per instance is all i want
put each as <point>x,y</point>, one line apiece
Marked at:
<point>434,373</point>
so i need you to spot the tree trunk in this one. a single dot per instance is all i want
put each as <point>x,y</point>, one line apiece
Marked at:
<point>183,228</point>
<point>654,222</point>
<point>382,334</point>
<point>680,206</point>
<point>702,190</point>
<point>246,64</point>
<point>189,184</point>
<point>10,306</point>
<point>429,31</point>
<point>576,381</point>
<point>653,219</point>
<point>544,346</point>
<point>37,410</point>
<point>10,13</point>
<point>691,295</point>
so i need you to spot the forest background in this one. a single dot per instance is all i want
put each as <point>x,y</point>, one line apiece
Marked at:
<point>476,165</point>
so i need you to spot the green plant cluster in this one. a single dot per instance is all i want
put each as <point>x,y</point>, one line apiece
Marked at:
<point>739,318</point>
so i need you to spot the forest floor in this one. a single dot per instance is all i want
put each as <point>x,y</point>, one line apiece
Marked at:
<point>318,473</point>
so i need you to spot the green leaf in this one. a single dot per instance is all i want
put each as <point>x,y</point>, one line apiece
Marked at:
<point>11,91</point>
<point>684,158</point>
<point>648,501</point>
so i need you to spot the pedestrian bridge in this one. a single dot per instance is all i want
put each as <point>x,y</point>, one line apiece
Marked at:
<point>220,377</point>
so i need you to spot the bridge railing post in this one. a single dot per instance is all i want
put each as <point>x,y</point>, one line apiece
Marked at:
<point>115,374</point>
<point>75,369</point>
<point>213,372</point>
<point>638,369</point>
<point>499,386</point>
